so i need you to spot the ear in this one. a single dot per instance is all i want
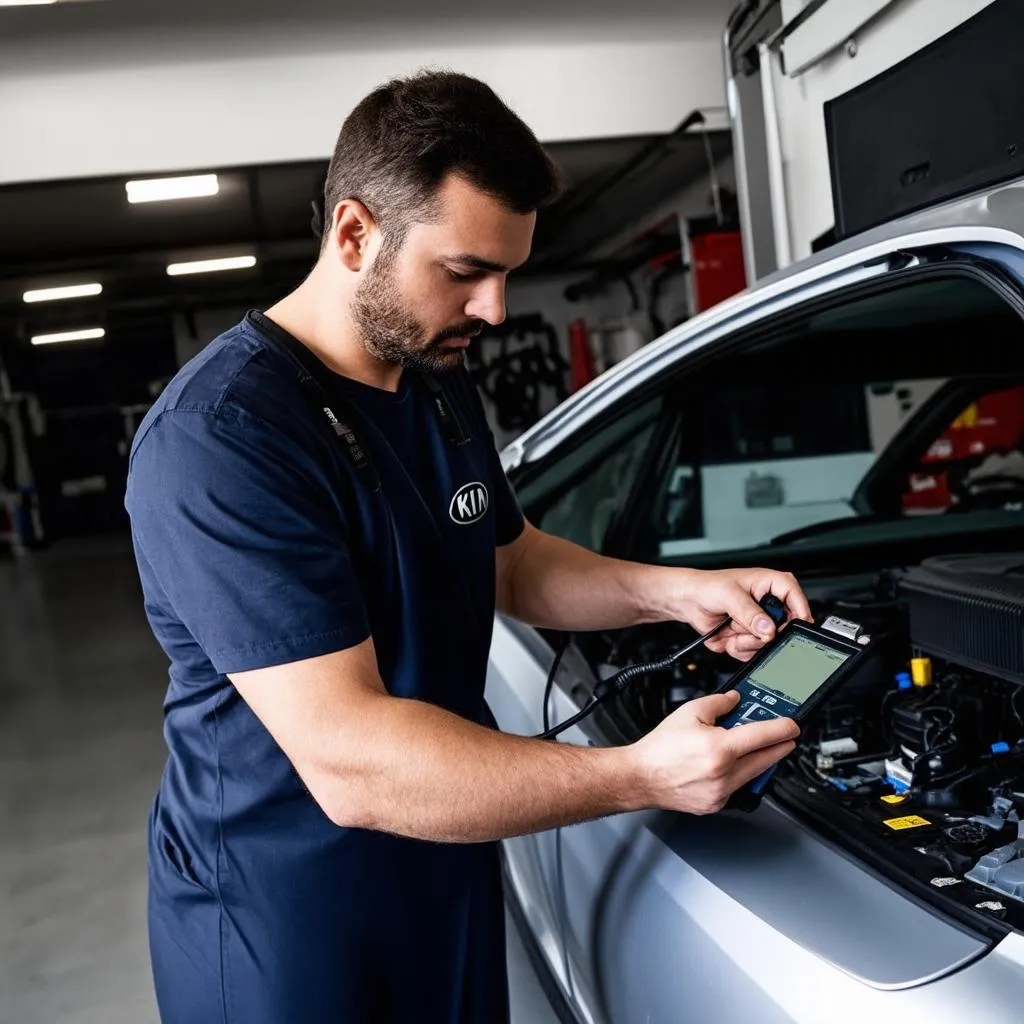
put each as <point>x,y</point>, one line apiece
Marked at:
<point>353,227</point>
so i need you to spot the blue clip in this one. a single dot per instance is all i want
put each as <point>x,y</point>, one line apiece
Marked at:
<point>903,680</point>
<point>1002,747</point>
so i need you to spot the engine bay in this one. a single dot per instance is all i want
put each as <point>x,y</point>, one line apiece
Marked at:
<point>917,763</point>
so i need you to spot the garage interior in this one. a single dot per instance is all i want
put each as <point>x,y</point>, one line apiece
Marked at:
<point>690,178</point>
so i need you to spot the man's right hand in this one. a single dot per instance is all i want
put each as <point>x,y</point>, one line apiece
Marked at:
<point>689,764</point>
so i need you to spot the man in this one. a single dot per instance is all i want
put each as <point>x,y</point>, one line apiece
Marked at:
<point>323,530</point>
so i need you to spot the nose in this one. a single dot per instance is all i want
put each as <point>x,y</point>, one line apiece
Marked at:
<point>488,301</point>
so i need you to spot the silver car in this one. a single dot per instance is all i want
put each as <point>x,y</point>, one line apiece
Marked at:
<point>857,420</point>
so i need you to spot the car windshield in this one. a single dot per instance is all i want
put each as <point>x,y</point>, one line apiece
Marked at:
<point>899,410</point>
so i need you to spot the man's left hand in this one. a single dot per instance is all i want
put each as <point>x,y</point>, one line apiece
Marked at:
<point>704,598</point>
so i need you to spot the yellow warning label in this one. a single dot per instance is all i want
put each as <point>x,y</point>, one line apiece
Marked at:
<point>910,821</point>
<point>894,798</point>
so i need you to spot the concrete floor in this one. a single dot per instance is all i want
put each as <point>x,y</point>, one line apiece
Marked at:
<point>81,684</point>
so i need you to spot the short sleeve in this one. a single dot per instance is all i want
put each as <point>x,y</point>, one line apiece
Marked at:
<point>508,516</point>
<point>243,537</point>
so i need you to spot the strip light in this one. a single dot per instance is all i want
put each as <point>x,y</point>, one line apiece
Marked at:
<point>71,291</point>
<point>208,266</point>
<point>89,334</point>
<point>153,190</point>
<point>25,3</point>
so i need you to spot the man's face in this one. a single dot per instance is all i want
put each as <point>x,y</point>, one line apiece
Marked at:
<point>420,303</point>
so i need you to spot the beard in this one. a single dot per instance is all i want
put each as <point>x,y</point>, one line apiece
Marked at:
<point>392,333</point>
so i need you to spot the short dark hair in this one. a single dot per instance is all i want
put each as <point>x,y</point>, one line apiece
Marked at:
<point>399,144</point>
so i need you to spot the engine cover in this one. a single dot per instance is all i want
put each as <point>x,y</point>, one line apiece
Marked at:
<point>969,610</point>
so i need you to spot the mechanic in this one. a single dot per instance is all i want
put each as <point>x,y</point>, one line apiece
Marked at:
<point>321,564</point>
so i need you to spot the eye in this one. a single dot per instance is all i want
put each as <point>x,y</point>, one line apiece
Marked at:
<point>456,276</point>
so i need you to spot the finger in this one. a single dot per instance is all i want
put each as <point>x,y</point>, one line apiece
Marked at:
<point>751,766</point>
<point>744,646</point>
<point>786,587</point>
<point>710,708</point>
<point>730,636</point>
<point>745,739</point>
<point>742,656</point>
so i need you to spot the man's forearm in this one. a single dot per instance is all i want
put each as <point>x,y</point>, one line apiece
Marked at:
<point>416,770</point>
<point>557,584</point>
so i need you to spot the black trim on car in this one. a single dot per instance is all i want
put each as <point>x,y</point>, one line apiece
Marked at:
<point>665,432</point>
<point>810,561</point>
<point>839,827</point>
<point>545,976</point>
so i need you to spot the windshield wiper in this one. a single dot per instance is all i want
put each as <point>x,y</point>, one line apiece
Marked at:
<point>826,526</point>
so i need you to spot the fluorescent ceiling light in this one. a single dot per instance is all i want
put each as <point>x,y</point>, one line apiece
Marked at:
<point>72,291</point>
<point>207,266</point>
<point>89,334</point>
<point>152,190</point>
<point>25,3</point>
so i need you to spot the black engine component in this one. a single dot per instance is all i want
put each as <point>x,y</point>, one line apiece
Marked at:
<point>969,610</point>
<point>960,845</point>
<point>948,735</point>
<point>970,711</point>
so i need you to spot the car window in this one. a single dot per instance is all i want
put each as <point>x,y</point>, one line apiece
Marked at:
<point>779,441</point>
<point>779,434</point>
<point>578,495</point>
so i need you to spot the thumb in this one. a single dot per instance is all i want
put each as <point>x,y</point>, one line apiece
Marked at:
<point>707,710</point>
<point>746,611</point>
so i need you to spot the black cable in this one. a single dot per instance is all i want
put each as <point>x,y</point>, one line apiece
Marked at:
<point>550,684</point>
<point>613,686</point>
<point>810,772</point>
<point>885,715</point>
<point>550,734</point>
<point>932,748</point>
<point>1014,694</point>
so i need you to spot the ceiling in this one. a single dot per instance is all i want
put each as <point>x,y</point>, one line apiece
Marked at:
<point>61,232</point>
<point>440,19</point>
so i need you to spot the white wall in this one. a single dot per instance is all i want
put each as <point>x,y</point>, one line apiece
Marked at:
<point>99,97</point>
<point>902,28</point>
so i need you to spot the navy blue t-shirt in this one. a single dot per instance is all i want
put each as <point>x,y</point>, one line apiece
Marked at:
<point>259,543</point>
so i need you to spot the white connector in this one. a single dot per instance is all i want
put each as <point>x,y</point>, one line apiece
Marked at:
<point>838,747</point>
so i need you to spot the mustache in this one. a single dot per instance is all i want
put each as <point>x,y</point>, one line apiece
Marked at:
<point>469,329</point>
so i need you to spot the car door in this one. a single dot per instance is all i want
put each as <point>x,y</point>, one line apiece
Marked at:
<point>664,917</point>
<point>588,485</point>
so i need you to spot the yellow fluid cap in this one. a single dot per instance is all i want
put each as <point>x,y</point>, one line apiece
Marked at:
<point>921,671</point>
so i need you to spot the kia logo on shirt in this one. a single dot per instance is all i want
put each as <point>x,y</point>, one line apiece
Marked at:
<point>469,503</point>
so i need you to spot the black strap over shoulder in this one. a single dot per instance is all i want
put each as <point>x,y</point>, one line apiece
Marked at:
<point>450,422</point>
<point>316,379</point>
<point>339,411</point>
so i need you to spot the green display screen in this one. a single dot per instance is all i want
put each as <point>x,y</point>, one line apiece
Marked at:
<point>797,667</point>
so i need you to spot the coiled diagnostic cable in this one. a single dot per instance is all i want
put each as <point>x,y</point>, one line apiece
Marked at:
<point>614,685</point>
